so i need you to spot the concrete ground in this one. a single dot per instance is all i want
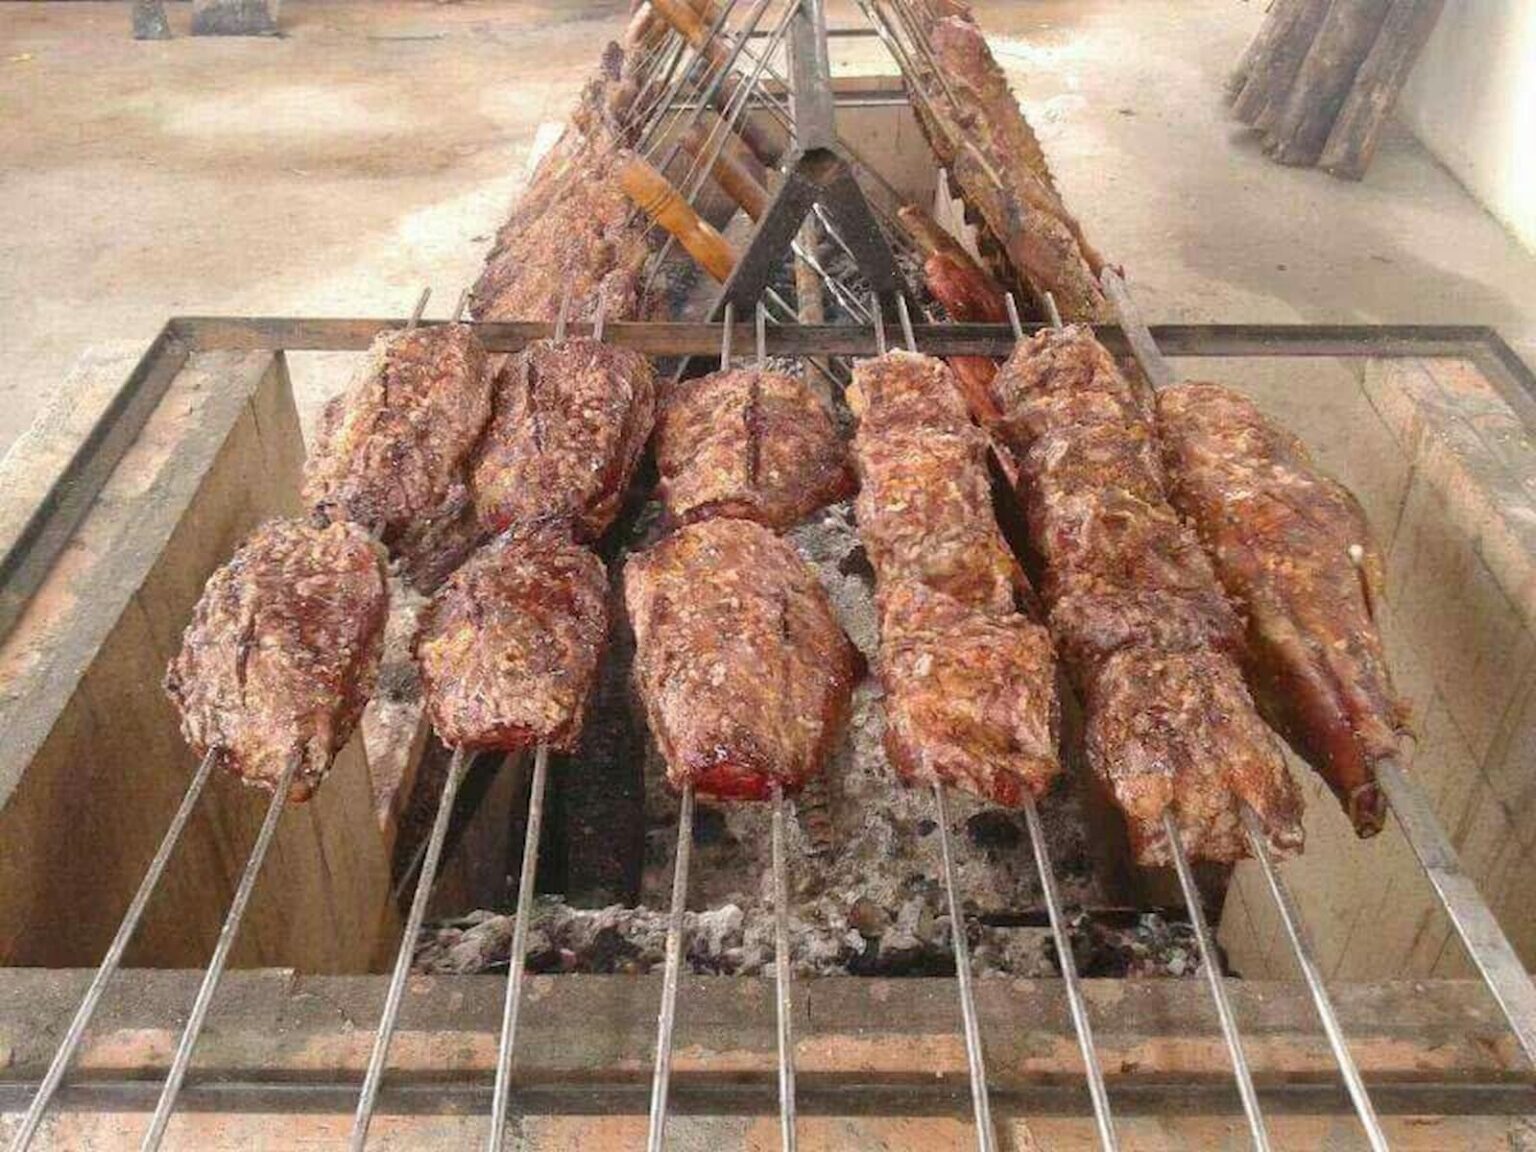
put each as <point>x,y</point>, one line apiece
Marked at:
<point>376,146</point>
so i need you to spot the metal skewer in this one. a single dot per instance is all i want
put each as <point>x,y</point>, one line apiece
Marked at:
<point>386,1030</point>
<point>527,876</point>
<point>981,1099</point>
<point>183,1059</point>
<point>782,960</point>
<point>109,964</point>
<point>421,306</point>
<point>1291,917</point>
<point>662,1075</point>
<point>878,322</point>
<point>1212,965</point>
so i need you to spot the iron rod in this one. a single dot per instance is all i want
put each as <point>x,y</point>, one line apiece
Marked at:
<point>109,964</point>
<point>906,323</point>
<point>1475,923</point>
<point>879,323</point>
<point>667,1018</point>
<point>981,1097</point>
<point>1290,916</point>
<point>782,963</point>
<point>1103,1119</point>
<point>421,306</point>
<point>378,1058</point>
<point>1212,965</point>
<point>183,1058</point>
<point>526,882</point>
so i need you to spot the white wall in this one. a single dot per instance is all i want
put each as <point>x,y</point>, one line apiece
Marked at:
<point>1472,101</point>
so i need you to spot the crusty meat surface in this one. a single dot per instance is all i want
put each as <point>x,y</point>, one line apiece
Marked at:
<point>1294,549</point>
<point>925,499</point>
<point>1177,730</point>
<point>391,451</point>
<point>1136,610</point>
<point>283,651</point>
<point>749,444</point>
<point>970,699</point>
<point>571,421</point>
<point>745,675</point>
<point>509,646</point>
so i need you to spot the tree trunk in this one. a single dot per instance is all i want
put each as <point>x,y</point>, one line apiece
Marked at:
<point>1265,92</point>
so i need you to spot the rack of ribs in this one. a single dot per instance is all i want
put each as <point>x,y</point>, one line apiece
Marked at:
<point>282,652</point>
<point>508,647</point>
<point>1141,621</point>
<point>748,444</point>
<point>571,420</point>
<point>925,500</point>
<point>392,450</point>
<point>970,684</point>
<point>745,675</point>
<point>1293,548</point>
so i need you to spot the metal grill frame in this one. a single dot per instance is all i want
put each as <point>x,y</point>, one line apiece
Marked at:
<point>29,554</point>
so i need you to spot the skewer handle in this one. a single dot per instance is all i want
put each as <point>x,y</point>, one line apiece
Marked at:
<point>655,195</point>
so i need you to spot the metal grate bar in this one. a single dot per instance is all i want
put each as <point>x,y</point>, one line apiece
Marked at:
<point>527,878</point>
<point>183,1059</point>
<point>386,1030</point>
<point>82,1018</point>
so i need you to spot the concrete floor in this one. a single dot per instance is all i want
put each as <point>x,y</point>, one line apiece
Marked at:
<point>376,147</point>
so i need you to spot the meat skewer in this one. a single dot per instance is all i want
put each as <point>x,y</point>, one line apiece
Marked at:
<point>1210,957</point>
<point>746,680</point>
<point>274,669</point>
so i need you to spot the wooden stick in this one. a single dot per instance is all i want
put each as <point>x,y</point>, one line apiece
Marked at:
<point>1352,142</point>
<point>1270,78</point>
<point>658,199</point>
<point>734,178</point>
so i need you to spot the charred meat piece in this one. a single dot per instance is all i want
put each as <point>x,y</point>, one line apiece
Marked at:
<point>745,675</point>
<point>509,646</point>
<point>283,651</point>
<point>1293,548</point>
<point>571,420</point>
<point>1177,731</point>
<point>970,697</point>
<point>1136,610</point>
<point>749,444</point>
<point>925,498</point>
<point>392,449</point>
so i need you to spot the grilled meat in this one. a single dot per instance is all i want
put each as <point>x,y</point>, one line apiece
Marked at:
<point>283,651</point>
<point>1136,609</point>
<point>509,646</point>
<point>391,450</point>
<point>571,420</point>
<point>970,697</point>
<point>745,675</point>
<point>1293,548</point>
<point>925,499</point>
<point>1178,730</point>
<point>749,444</point>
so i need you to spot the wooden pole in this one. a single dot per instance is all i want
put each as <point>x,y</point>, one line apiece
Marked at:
<point>1345,37</point>
<point>1270,79</point>
<point>1355,134</point>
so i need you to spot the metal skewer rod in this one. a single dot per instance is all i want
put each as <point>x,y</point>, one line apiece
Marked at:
<point>109,964</point>
<point>667,1018</point>
<point>562,317</point>
<point>599,320</point>
<point>879,323</point>
<point>421,306</point>
<point>458,309</point>
<point>1102,1116</point>
<point>906,323</point>
<point>526,882</point>
<point>379,1057</point>
<point>1290,915</point>
<point>1212,965</point>
<point>1013,316</point>
<point>227,934</point>
<point>782,963</point>
<point>668,105</point>
<point>981,1098</point>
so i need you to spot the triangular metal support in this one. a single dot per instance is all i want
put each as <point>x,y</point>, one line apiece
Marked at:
<point>818,171</point>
